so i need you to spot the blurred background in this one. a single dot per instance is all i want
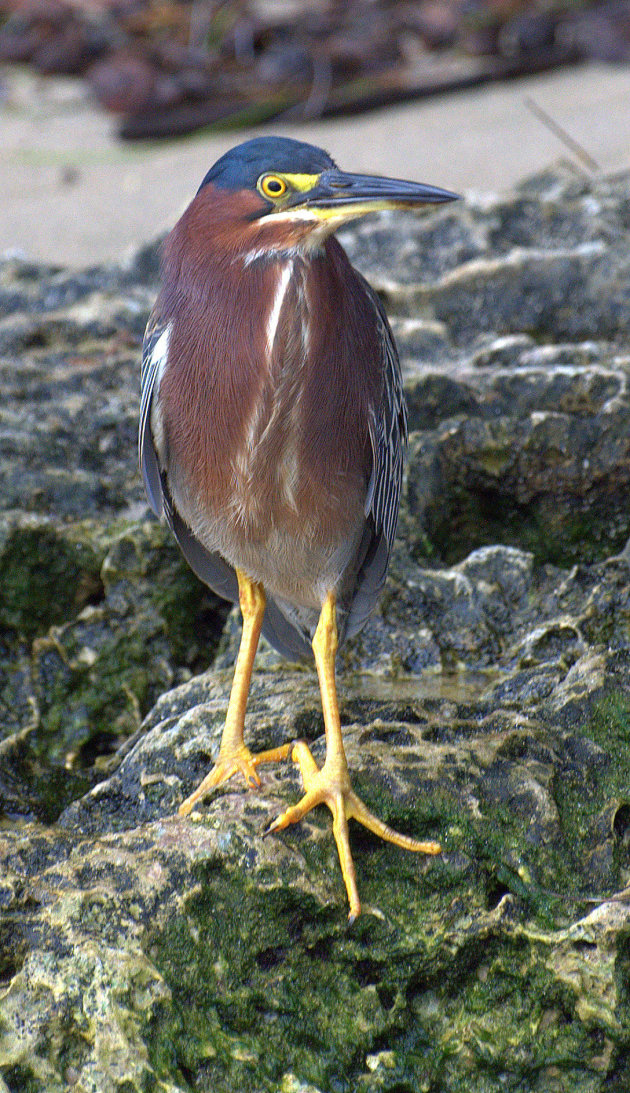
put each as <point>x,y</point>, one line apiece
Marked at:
<point>111,111</point>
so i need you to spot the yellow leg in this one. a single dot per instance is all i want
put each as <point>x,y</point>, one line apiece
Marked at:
<point>234,755</point>
<point>331,785</point>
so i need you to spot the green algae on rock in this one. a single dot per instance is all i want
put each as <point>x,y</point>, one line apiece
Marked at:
<point>183,953</point>
<point>88,681</point>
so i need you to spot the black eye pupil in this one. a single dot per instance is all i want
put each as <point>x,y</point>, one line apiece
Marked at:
<point>274,186</point>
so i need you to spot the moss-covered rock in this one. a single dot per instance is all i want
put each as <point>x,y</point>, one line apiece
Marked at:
<point>182,954</point>
<point>83,685</point>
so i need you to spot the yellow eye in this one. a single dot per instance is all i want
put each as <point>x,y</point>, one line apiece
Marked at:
<point>272,186</point>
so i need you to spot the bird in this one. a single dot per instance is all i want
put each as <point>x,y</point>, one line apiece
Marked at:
<point>272,432</point>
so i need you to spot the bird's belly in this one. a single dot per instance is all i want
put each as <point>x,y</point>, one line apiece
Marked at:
<point>293,568</point>
<point>297,542</point>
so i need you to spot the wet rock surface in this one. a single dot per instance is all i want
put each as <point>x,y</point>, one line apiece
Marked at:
<point>486,704</point>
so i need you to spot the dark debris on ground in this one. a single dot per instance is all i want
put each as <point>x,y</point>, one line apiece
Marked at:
<point>169,67</point>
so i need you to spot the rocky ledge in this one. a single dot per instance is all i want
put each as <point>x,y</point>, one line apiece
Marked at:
<point>486,704</point>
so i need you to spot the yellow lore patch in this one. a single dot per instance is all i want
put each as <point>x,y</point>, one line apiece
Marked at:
<point>302,183</point>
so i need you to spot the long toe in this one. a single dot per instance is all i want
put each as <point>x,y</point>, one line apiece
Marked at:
<point>320,795</point>
<point>356,810</point>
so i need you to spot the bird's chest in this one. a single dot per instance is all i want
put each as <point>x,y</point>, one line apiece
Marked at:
<point>266,457</point>
<point>269,457</point>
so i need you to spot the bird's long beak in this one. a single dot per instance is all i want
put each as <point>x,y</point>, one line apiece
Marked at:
<point>339,195</point>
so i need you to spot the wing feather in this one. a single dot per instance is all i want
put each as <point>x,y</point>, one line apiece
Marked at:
<point>388,435</point>
<point>154,357</point>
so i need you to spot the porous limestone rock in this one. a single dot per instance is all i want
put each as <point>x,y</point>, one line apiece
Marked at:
<point>486,704</point>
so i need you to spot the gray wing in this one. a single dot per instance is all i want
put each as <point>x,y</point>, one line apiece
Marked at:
<point>388,434</point>
<point>290,638</point>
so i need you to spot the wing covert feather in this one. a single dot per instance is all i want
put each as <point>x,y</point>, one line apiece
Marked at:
<point>388,435</point>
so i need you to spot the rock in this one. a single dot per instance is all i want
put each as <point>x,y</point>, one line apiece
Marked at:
<point>486,704</point>
<point>90,599</point>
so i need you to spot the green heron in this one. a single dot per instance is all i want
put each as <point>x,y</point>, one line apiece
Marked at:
<point>272,428</point>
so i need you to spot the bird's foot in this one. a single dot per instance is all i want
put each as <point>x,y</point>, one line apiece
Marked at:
<point>231,761</point>
<point>331,786</point>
